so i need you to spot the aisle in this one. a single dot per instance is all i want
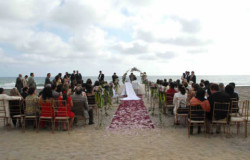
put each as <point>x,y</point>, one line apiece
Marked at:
<point>131,114</point>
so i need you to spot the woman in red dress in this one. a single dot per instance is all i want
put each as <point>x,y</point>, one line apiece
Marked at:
<point>65,104</point>
<point>46,102</point>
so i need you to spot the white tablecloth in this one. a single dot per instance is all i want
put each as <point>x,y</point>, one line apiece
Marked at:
<point>129,91</point>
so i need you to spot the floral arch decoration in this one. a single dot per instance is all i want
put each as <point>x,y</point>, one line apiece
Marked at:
<point>134,69</point>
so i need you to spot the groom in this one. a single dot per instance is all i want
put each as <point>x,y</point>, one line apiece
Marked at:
<point>101,77</point>
<point>132,77</point>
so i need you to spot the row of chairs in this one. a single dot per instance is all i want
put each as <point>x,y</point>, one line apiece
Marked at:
<point>236,113</point>
<point>50,112</point>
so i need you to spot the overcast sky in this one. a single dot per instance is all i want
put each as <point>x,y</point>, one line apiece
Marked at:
<point>160,37</point>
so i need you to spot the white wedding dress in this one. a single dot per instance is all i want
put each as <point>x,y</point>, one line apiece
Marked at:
<point>129,91</point>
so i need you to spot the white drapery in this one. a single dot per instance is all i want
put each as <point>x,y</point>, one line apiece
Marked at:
<point>129,91</point>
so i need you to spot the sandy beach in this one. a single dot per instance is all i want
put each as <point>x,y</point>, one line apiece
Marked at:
<point>161,143</point>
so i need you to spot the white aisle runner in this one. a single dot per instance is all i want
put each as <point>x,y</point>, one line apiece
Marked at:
<point>129,91</point>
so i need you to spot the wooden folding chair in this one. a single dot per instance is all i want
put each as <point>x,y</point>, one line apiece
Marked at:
<point>196,117</point>
<point>237,114</point>
<point>3,116</point>
<point>28,116</point>
<point>169,102</point>
<point>221,109</point>
<point>182,113</point>
<point>47,113</point>
<point>61,113</point>
<point>246,116</point>
<point>16,111</point>
<point>78,110</point>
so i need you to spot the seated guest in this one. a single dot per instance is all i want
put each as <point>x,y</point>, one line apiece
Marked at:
<point>217,96</point>
<point>6,98</point>
<point>14,105</point>
<point>31,102</point>
<point>170,95</point>
<point>179,100</point>
<point>200,100</point>
<point>230,91</point>
<point>233,84</point>
<point>25,92</point>
<point>192,92</point>
<point>46,102</point>
<point>55,94</point>
<point>65,102</point>
<point>81,105</point>
<point>221,87</point>
<point>31,105</point>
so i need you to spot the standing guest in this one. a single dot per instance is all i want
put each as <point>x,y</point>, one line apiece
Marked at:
<point>165,83</point>
<point>19,83</point>
<point>25,81</point>
<point>114,77</point>
<point>78,77</point>
<point>47,79</point>
<point>65,102</point>
<point>73,76</point>
<point>25,92</point>
<point>193,77</point>
<point>217,96</point>
<point>179,100</point>
<point>81,105</point>
<point>31,81</point>
<point>183,76</point>
<point>14,105</point>
<point>6,98</point>
<point>101,77</point>
<point>200,100</point>
<point>57,80</point>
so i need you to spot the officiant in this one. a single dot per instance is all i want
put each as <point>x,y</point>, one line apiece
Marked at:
<point>132,77</point>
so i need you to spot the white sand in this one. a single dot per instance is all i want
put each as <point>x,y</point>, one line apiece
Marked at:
<point>166,142</point>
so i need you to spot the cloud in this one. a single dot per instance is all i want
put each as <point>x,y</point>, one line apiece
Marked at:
<point>132,48</point>
<point>189,26</point>
<point>197,51</point>
<point>166,55</point>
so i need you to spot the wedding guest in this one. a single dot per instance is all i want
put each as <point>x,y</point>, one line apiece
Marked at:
<point>179,100</point>
<point>25,92</point>
<point>14,105</point>
<point>78,77</point>
<point>47,79</point>
<point>6,98</point>
<point>233,84</point>
<point>193,77</point>
<point>31,81</point>
<point>217,96</point>
<point>46,102</point>
<point>170,95</point>
<point>192,92</point>
<point>183,76</point>
<point>25,81</point>
<point>57,80</point>
<point>114,77</point>
<point>201,101</point>
<point>221,87</point>
<point>101,77</point>
<point>230,91</point>
<point>188,76</point>
<point>165,83</point>
<point>19,84</point>
<point>55,94</point>
<point>66,101</point>
<point>81,105</point>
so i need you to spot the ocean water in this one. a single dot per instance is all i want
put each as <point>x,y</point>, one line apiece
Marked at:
<point>239,80</point>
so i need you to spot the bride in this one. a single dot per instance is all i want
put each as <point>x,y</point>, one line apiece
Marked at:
<point>129,90</point>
